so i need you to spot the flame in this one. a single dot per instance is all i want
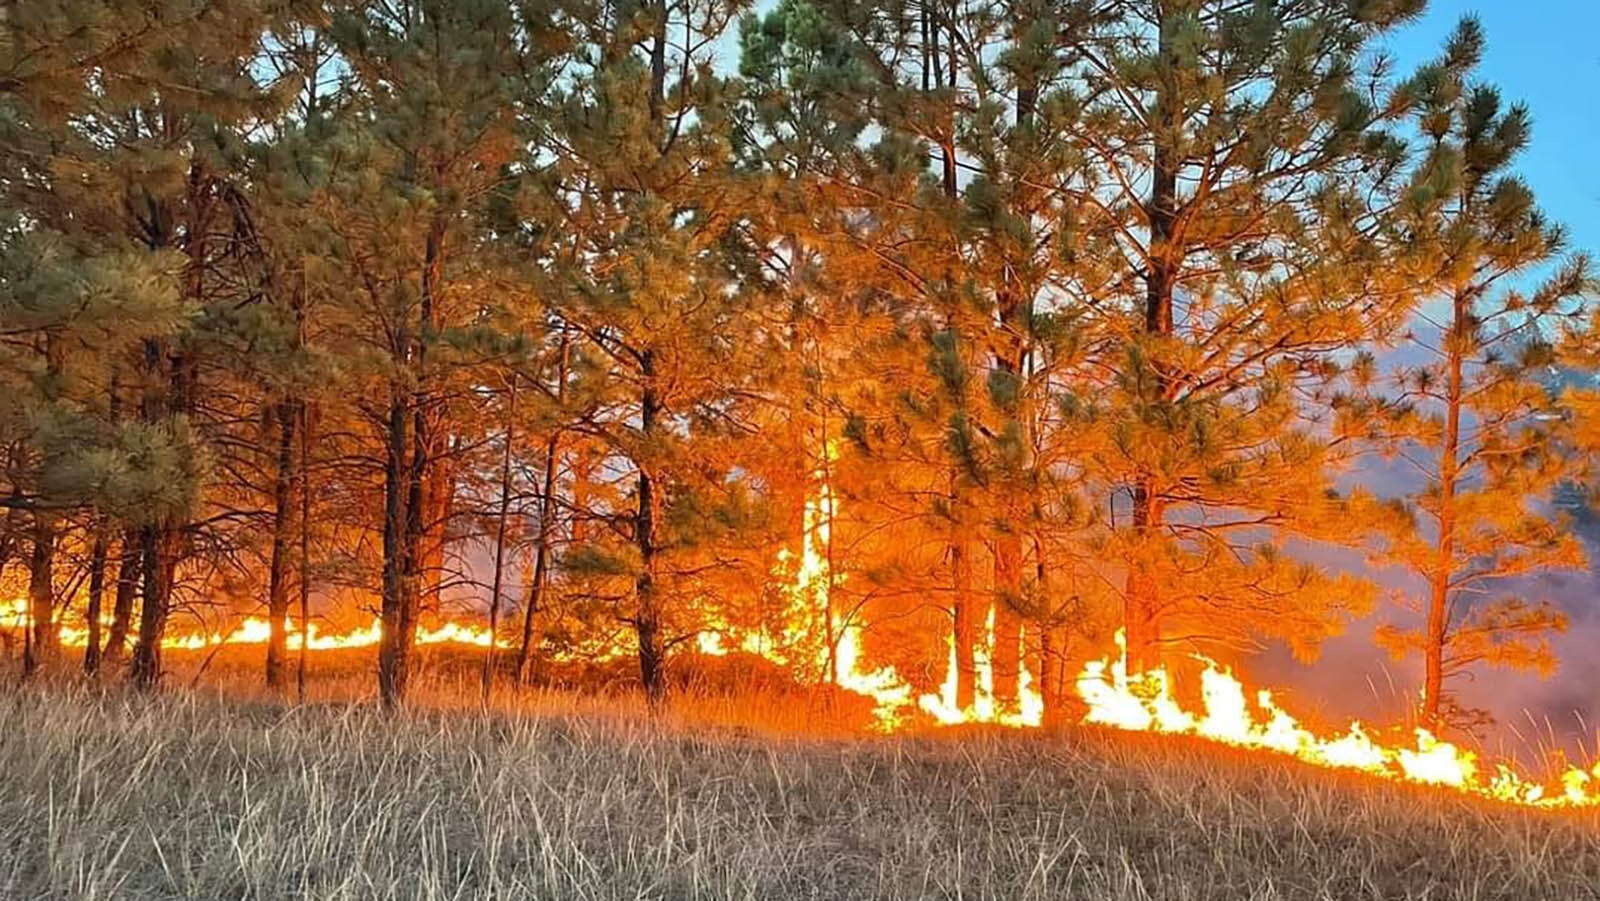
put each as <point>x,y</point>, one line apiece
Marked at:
<point>1145,703</point>
<point>811,590</point>
<point>1228,714</point>
<point>943,707</point>
<point>255,630</point>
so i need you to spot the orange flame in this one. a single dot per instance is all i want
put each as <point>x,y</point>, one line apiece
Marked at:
<point>1115,699</point>
<point>255,630</point>
<point>1145,703</point>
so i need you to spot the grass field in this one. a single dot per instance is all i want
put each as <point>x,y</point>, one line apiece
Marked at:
<point>206,795</point>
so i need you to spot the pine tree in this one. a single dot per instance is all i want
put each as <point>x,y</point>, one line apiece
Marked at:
<point>1236,147</point>
<point>1474,421</point>
<point>666,295</point>
<point>423,133</point>
<point>965,264</point>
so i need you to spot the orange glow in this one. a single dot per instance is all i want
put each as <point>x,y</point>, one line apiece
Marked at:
<point>1145,704</point>
<point>809,592</point>
<point>257,631</point>
<point>1228,713</point>
<point>943,706</point>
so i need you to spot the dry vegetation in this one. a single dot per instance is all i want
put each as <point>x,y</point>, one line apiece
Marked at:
<point>199,794</point>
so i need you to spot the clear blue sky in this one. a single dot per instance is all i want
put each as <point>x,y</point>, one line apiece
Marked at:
<point>1546,54</point>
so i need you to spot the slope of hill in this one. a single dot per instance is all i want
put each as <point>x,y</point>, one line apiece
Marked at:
<point>196,796</point>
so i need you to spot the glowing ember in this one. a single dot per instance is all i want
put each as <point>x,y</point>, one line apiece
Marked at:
<point>1145,704</point>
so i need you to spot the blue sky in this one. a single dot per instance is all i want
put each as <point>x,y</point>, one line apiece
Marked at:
<point>1546,54</point>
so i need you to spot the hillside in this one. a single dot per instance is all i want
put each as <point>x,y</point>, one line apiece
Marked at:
<point>191,795</point>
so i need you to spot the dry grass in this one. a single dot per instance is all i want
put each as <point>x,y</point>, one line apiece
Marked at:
<point>197,795</point>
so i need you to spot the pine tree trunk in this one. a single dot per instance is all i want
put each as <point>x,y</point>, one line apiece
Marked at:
<point>278,565</point>
<point>500,544</point>
<point>408,468</point>
<point>99,559</point>
<point>533,596</point>
<point>966,628</point>
<point>583,465</point>
<point>99,555</point>
<point>1006,655</point>
<point>533,602</point>
<point>40,647</point>
<point>303,411</point>
<point>647,618</point>
<point>156,576</point>
<point>1011,358</point>
<point>1437,636</point>
<point>393,648</point>
<point>1052,653</point>
<point>162,543</point>
<point>1141,610</point>
<point>128,557</point>
<point>438,498</point>
<point>1050,665</point>
<point>940,71</point>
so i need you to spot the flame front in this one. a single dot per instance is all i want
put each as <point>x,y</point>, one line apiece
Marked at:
<point>811,590</point>
<point>1145,703</point>
<point>1114,698</point>
<point>254,630</point>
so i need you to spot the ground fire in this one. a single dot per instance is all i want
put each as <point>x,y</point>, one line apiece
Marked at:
<point>1229,713</point>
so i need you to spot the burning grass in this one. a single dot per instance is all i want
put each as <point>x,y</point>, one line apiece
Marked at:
<point>201,794</point>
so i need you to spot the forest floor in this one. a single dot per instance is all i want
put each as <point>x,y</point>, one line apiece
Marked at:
<point>208,793</point>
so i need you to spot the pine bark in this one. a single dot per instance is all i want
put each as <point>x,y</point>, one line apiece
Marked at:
<point>396,603</point>
<point>409,462</point>
<point>278,565</point>
<point>99,557</point>
<point>647,617</point>
<point>128,562</point>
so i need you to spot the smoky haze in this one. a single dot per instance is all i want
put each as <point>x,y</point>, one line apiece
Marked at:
<point>1354,678</point>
